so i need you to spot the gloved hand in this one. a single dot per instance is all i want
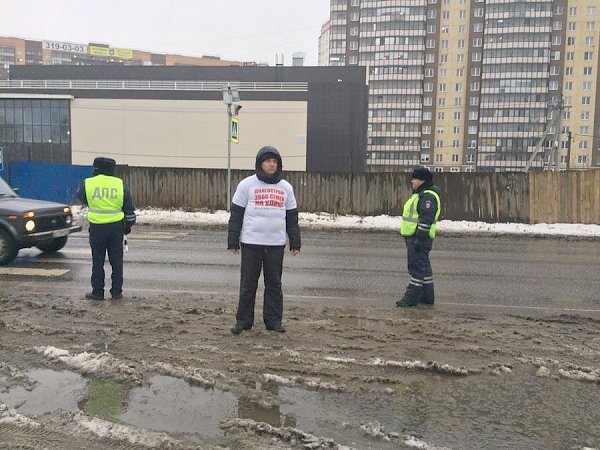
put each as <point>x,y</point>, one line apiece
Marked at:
<point>418,244</point>
<point>126,228</point>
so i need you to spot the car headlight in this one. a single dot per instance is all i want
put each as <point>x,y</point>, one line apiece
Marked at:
<point>68,220</point>
<point>30,225</point>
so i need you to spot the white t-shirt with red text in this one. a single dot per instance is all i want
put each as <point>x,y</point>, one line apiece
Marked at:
<point>266,205</point>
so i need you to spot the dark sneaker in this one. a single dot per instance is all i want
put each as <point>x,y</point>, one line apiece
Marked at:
<point>237,329</point>
<point>92,296</point>
<point>116,296</point>
<point>279,328</point>
<point>404,304</point>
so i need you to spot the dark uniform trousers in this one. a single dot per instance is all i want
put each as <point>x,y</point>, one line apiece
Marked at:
<point>105,238</point>
<point>420,286</point>
<point>255,258</point>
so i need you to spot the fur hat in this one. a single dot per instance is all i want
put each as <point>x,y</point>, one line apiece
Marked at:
<point>422,173</point>
<point>104,165</point>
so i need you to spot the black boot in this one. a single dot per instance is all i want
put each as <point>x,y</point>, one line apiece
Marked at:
<point>427,296</point>
<point>411,296</point>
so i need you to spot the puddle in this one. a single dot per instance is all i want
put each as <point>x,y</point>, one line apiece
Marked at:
<point>518,410</point>
<point>50,391</point>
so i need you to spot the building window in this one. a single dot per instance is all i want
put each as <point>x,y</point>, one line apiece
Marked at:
<point>588,56</point>
<point>474,101</point>
<point>431,28</point>
<point>553,85</point>
<point>568,85</point>
<point>430,58</point>
<point>571,26</point>
<point>456,115</point>
<point>353,31</point>
<point>353,45</point>
<point>456,129</point>
<point>587,70</point>
<point>478,12</point>
<point>590,26</point>
<point>573,11</point>
<point>428,72</point>
<point>462,14</point>
<point>591,10</point>
<point>457,101</point>
<point>570,56</point>
<point>428,87</point>
<point>445,14</point>
<point>441,101</point>
<point>441,115</point>
<point>587,100</point>
<point>587,86</point>
<point>426,129</point>
<point>557,25</point>
<point>461,43</point>
<point>442,87</point>
<point>556,40</point>
<point>353,59</point>
<point>473,115</point>
<point>439,130</point>
<point>427,101</point>
<point>571,41</point>
<point>455,144</point>
<point>455,156</point>
<point>476,57</point>
<point>460,58</point>
<point>583,145</point>
<point>439,157</point>
<point>462,29</point>
<point>477,42</point>
<point>553,70</point>
<point>474,86</point>
<point>431,13</point>
<point>569,70</point>
<point>444,43</point>
<point>425,143</point>
<point>472,129</point>
<point>589,41</point>
<point>478,27</point>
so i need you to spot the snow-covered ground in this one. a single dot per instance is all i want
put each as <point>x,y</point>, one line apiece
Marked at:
<point>383,223</point>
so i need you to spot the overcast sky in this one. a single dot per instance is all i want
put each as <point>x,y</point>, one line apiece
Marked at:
<point>240,30</point>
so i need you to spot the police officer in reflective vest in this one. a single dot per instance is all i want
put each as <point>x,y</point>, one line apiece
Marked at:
<point>111,214</point>
<point>419,217</point>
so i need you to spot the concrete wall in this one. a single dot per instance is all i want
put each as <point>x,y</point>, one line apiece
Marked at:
<point>185,133</point>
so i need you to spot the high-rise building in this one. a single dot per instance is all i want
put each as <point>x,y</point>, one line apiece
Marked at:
<point>16,51</point>
<point>465,85</point>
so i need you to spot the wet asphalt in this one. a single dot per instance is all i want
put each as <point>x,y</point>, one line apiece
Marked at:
<point>490,275</point>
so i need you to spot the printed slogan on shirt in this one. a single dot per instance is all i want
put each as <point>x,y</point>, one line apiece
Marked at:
<point>269,197</point>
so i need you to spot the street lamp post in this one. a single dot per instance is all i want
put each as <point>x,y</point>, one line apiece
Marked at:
<point>230,96</point>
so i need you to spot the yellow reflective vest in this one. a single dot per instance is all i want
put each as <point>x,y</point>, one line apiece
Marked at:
<point>105,199</point>
<point>410,215</point>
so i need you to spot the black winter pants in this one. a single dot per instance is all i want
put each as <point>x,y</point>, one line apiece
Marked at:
<point>419,265</point>
<point>254,259</point>
<point>107,238</point>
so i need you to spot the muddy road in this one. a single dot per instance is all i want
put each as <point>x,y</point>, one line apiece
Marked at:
<point>508,358</point>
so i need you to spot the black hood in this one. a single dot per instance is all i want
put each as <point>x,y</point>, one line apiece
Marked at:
<point>267,153</point>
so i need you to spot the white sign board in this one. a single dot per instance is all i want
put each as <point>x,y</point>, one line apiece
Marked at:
<point>64,47</point>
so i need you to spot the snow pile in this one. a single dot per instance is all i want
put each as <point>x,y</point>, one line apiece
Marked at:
<point>314,383</point>
<point>191,375</point>
<point>11,417</point>
<point>85,363</point>
<point>168,218</point>
<point>110,430</point>
<point>288,434</point>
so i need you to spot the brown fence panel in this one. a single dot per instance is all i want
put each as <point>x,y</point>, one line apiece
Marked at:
<point>565,197</point>
<point>550,197</point>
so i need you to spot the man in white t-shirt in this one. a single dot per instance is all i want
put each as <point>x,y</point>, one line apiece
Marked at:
<point>263,211</point>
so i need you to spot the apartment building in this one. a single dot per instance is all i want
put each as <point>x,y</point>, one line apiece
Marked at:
<point>16,51</point>
<point>475,85</point>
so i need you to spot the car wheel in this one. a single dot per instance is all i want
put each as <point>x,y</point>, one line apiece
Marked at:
<point>8,248</point>
<point>53,245</point>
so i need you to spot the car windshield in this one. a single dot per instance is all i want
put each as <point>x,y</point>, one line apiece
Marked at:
<point>5,190</point>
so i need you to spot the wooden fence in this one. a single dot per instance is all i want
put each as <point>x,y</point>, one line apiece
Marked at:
<point>551,197</point>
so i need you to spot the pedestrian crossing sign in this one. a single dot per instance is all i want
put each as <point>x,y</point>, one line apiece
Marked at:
<point>235,130</point>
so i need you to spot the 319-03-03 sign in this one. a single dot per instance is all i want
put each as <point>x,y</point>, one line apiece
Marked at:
<point>64,46</point>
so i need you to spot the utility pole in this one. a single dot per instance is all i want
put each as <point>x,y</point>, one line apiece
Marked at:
<point>556,122</point>
<point>569,139</point>
<point>230,96</point>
